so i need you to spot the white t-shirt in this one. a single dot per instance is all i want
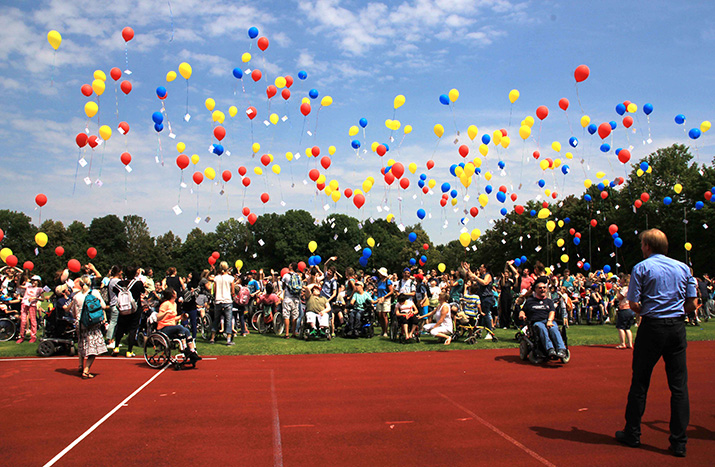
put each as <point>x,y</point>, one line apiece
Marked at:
<point>223,283</point>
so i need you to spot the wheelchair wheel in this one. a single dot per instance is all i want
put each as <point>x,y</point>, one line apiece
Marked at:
<point>7,329</point>
<point>46,349</point>
<point>254,320</point>
<point>157,352</point>
<point>370,332</point>
<point>140,338</point>
<point>278,325</point>
<point>567,358</point>
<point>394,330</point>
<point>471,340</point>
<point>523,349</point>
<point>204,326</point>
<point>534,359</point>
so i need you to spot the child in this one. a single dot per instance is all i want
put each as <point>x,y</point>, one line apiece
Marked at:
<point>33,294</point>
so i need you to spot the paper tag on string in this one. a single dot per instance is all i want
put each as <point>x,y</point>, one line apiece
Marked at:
<point>283,203</point>
<point>197,220</point>
<point>310,133</point>
<point>99,183</point>
<point>284,118</point>
<point>401,227</point>
<point>326,207</point>
<point>266,123</point>
<point>172,136</point>
<point>128,169</point>
<point>127,71</point>
<point>37,251</point>
<point>207,220</point>
<point>187,117</point>
<point>357,247</point>
<point>156,159</point>
<point>82,162</point>
<point>177,210</point>
<point>261,242</point>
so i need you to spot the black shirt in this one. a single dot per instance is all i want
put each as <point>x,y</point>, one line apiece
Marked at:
<point>538,309</point>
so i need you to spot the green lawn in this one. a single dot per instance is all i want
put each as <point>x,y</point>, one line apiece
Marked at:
<point>256,344</point>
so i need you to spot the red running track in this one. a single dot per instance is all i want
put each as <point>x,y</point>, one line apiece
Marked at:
<point>456,408</point>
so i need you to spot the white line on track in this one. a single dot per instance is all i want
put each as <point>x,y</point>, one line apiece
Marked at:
<point>498,431</point>
<point>40,359</point>
<point>277,445</point>
<point>103,419</point>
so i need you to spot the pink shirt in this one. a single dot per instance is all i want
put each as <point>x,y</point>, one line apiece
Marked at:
<point>32,295</point>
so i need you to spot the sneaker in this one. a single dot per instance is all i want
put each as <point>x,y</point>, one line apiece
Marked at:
<point>111,345</point>
<point>230,343</point>
<point>130,354</point>
<point>196,356</point>
<point>384,334</point>
<point>32,339</point>
<point>677,451</point>
<point>628,440</point>
<point>552,353</point>
<point>488,338</point>
<point>212,342</point>
<point>561,353</point>
<point>20,340</point>
<point>115,352</point>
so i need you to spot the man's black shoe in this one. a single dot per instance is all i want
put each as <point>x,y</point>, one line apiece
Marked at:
<point>678,451</point>
<point>561,353</point>
<point>552,353</point>
<point>629,441</point>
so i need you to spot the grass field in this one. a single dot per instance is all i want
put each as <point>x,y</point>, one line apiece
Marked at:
<point>257,344</point>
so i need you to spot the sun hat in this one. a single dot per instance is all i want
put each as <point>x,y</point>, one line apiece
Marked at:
<point>382,271</point>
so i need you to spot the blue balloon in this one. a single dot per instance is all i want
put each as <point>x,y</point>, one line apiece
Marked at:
<point>573,141</point>
<point>523,259</point>
<point>601,186</point>
<point>644,166</point>
<point>605,147</point>
<point>667,200</point>
<point>237,73</point>
<point>423,177</point>
<point>462,164</point>
<point>565,169</point>
<point>311,261</point>
<point>423,259</point>
<point>218,149</point>
<point>567,220</point>
<point>592,128</point>
<point>620,109</point>
<point>586,266</point>
<point>478,170</point>
<point>446,187</point>
<point>532,213</point>
<point>318,259</point>
<point>517,262</point>
<point>387,148</point>
<point>452,169</point>
<point>576,240</point>
<point>699,205</point>
<point>421,213</point>
<point>618,242</point>
<point>680,119</point>
<point>613,124</point>
<point>363,261</point>
<point>503,211</point>
<point>541,183</point>
<point>615,235</point>
<point>302,75</point>
<point>367,252</point>
<point>606,269</point>
<point>158,127</point>
<point>488,189</point>
<point>313,93</point>
<point>421,183</point>
<point>253,32</point>
<point>161,92</point>
<point>647,109</point>
<point>486,138</point>
<point>612,184</point>
<point>157,117</point>
<point>444,99</point>
<point>363,122</point>
<point>453,193</point>
<point>413,261</point>
<point>587,198</point>
<point>501,164</point>
<point>412,237</point>
<point>694,133</point>
<point>501,196</point>
<point>355,144</point>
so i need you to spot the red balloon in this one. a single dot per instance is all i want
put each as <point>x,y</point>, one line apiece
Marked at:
<point>265,160</point>
<point>425,189</point>
<point>315,151</point>
<point>256,75</point>
<point>246,211</point>
<point>381,150</point>
<point>125,86</point>
<point>81,139</point>
<point>313,174</point>
<point>91,252</point>
<point>301,266</point>
<point>284,271</point>
<point>198,178</point>
<point>123,128</point>
<point>252,218</point>
<point>536,154</point>
<point>11,261</point>
<point>626,104</point>
<point>464,150</point>
<point>86,90</point>
<point>2,235</point>
<point>604,194</point>
<point>220,133</point>
<point>115,73</point>
<point>503,132</point>
<point>73,265</point>
<point>564,103</point>
<point>581,73</point>
<point>627,121</point>
<point>242,171</point>
<point>474,211</point>
<point>128,34</point>
<point>41,199</point>
<point>305,108</point>
<point>251,112</point>
<point>92,141</point>
<point>579,264</point>
<point>594,223</point>
<point>519,209</point>
<point>604,129</point>
<point>271,91</point>
<point>215,255</point>
<point>645,197</point>
<point>397,169</point>
<point>212,260</point>
<point>59,251</point>
<point>389,178</point>
<point>708,196</point>
<point>572,231</point>
<point>554,194</point>
<point>289,80</point>
<point>613,228</point>
<point>502,189</point>
<point>542,112</point>
<point>638,203</point>
<point>285,93</point>
<point>425,246</point>
<point>513,196</point>
<point>28,265</point>
<point>544,205</point>
<point>359,200</point>
<point>126,158</point>
<point>262,43</point>
<point>320,186</point>
<point>265,198</point>
<point>349,192</point>
<point>246,181</point>
<point>404,183</point>
<point>226,175</point>
<point>325,162</point>
<point>624,155</point>
<point>578,235</point>
<point>182,161</point>
<point>430,164</point>
<point>443,202</point>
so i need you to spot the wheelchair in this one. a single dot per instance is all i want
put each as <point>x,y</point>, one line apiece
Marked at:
<point>268,321</point>
<point>159,350</point>
<point>9,326</point>
<point>60,334</point>
<point>366,327</point>
<point>531,347</point>
<point>395,332</point>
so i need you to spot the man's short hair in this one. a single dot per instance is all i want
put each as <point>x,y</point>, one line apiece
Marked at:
<point>656,240</point>
<point>540,280</point>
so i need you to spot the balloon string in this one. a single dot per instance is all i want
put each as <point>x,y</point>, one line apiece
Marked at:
<point>125,186</point>
<point>454,119</point>
<point>116,98</point>
<point>197,201</point>
<point>181,182</point>
<point>101,162</point>
<point>569,122</point>
<point>187,97</point>
<point>317,116</point>
<point>126,56</point>
<point>76,170</point>
<point>52,71</point>
<point>171,18</point>
<point>302,130</point>
<point>578,98</point>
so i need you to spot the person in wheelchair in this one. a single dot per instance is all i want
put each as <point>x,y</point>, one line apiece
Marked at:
<point>540,311</point>
<point>167,323</point>
<point>407,317</point>
<point>317,309</point>
<point>357,304</point>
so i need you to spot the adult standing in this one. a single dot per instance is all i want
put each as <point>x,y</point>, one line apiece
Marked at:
<point>661,290</point>
<point>484,290</point>
<point>128,320</point>
<point>506,301</point>
<point>115,275</point>
<point>91,341</point>
<point>223,304</point>
<point>625,317</point>
<point>384,298</point>
<point>292,288</point>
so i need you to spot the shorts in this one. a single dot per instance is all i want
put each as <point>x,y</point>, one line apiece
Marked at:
<point>290,308</point>
<point>625,319</point>
<point>412,320</point>
<point>323,320</point>
<point>383,307</point>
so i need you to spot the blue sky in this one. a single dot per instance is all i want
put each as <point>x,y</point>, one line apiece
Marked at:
<point>360,55</point>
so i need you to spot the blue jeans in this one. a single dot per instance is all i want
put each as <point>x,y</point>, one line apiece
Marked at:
<point>354,320</point>
<point>177,332</point>
<point>549,336</point>
<point>192,322</point>
<point>225,311</point>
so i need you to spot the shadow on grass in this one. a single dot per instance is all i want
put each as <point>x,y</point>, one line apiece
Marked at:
<point>578,435</point>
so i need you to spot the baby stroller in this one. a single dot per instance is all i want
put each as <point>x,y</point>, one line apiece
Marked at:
<point>467,330</point>
<point>60,334</point>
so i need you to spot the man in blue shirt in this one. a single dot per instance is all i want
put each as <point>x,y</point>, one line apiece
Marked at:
<point>661,291</point>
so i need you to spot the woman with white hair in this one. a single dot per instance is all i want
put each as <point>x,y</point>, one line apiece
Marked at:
<point>91,340</point>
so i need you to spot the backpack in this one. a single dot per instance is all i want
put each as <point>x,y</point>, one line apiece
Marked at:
<point>190,294</point>
<point>243,296</point>
<point>295,285</point>
<point>92,312</point>
<point>125,301</point>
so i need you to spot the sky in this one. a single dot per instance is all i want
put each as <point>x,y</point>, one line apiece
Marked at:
<point>362,56</point>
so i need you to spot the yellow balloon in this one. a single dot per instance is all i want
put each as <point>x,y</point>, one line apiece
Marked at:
<point>331,150</point>
<point>477,162</point>
<point>649,169</point>
<point>353,130</point>
<point>585,120</point>
<point>289,156</point>
<point>547,192</point>
<point>529,121</point>
<point>639,172</point>
<point>396,124</point>
<point>561,223</point>
<point>556,146</point>
<point>632,108</point>
<point>564,258</point>
<point>678,188</point>
<point>371,179</point>
<point>469,169</point>
<point>276,169</point>
<point>218,116</point>
<point>366,186</point>
<point>438,130</point>
<point>4,253</point>
<point>688,246</point>
<point>210,173</point>
<point>185,70</point>
<point>557,163</point>
<point>705,126</point>
<point>335,196</point>
<point>210,104</point>
<point>544,213</point>
<point>91,108</point>
<point>280,82</point>
<point>255,147</point>
<point>453,95</point>
<point>496,137</point>
<point>550,226</point>
<point>54,38</point>
<point>524,132</point>
<point>407,129</point>
<point>180,147</point>
<point>513,95</point>
<point>98,87</point>
<point>483,149</point>
<point>587,183</point>
<point>466,181</point>
<point>458,171</point>
<point>483,199</point>
<point>544,164</point>
<point>41,239</point>
<point>195,159</point>
<point>432,183</point>
<point>399,101</point>
<point>505,142</point>
<point>312,246</point>
<point>390,218</point>
<point>326,101</point>
<point>465,239</point>
<point>328,191</point>
<point>239,265</point>
<point>170,76</point>
<point>560,242</point>
<point>273,119</point>
<point>390,162</point>
<point>488,176</point>
<point>412,167</point>
<point>441,267</point>
<point>233,110</point>
<point>569,155</point>
<point>472,131</point>
<point>371,242</point>
<point>475,234</point>
<point>305,100</point>
<point>547,270</point>
<point>246,57</point>
<point>374,146</point>
<point>258,171</point>
<point>105,132</point>
<point>600,175</point>
<point>99,74</point>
